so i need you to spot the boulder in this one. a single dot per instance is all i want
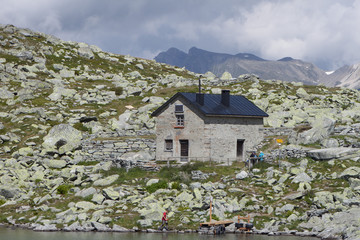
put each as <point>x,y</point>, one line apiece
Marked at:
<point>106,181</point>
<point>226,76</point>
<point>56,163</point>
<point>302,178</point>
<point>85,205</point>
<point>209,75</point>
<point>110,193</point>
<point>241,175</point>
<point>85,52</point>
<point>322,127</point>
<point>86,192</point>
<point>98,198</point>
<point>184,196</point>
<point>122,122</point>
<point>152,181</point>
<point>5,94</point>
<point>351,172</point>
<point>330,143</point>
<point>331,153</point>
<point>301,93</point>
<point>45,228</point>
<point>100,227</point>
<point>117,228</point>
<point>8,192</point>
<point>62,138</point>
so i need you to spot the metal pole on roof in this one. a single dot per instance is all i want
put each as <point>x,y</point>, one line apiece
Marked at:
<point>200,83</point>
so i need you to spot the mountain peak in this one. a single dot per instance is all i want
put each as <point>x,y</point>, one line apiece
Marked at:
<point>201,61</point>
<point>286,59</point>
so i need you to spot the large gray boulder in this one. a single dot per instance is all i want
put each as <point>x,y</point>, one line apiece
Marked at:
<point>106,181</point>
<point>122,122</point>
<point>62,138</point>
<point>351,172</point>
<point>85,52</point>
<point>331,153</point>
<point>322,127</point>
<point>8,192</point>
<point>302,178</point>
<point>86,192</point>
<point>5,94</point>
<point>241,175</point>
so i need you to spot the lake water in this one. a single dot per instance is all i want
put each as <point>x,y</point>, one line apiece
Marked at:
<point>22,234</point>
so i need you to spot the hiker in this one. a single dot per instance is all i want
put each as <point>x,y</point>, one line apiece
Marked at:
<point>252,158</point>
<point>164,221</point>
<point>261,156</point>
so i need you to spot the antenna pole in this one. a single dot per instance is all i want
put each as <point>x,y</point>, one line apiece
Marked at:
<point>200,83</point>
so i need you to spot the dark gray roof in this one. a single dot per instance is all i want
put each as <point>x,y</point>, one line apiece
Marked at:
<point>239,105</point>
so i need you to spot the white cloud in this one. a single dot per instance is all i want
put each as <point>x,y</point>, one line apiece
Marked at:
<point>321,31</point>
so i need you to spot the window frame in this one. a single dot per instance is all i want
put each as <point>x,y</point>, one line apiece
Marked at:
<point>180,120</point>
<point>177,106</point>
<point>169,142</point>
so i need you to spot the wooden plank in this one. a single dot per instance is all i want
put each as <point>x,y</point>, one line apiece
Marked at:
<point>225,222</point>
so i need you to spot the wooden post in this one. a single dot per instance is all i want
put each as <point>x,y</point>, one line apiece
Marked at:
<point>210,208</point>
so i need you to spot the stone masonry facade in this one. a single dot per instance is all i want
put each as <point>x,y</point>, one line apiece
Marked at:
<point>209,138</point>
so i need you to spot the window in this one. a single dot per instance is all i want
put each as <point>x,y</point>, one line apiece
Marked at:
<point>179,108</point>
<point>168,145</point>
<point>180,120</point>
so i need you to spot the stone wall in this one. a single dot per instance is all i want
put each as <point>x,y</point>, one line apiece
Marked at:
<point>114,149</point>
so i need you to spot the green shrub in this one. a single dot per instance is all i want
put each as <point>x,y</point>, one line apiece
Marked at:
<point>3,219</point>
<point>88,198</point>
<point>79,126</point>
<point>118,91</point>
<point>37,181</point>
<point>63,189</point>
<point>176,185</point>
<point>159,185</point>
<point>2,201</point>
<point>87,163</point>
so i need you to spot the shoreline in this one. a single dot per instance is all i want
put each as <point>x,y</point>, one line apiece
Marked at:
<point>114,230</point>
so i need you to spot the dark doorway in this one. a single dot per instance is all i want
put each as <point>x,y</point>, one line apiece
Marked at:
<point>240,148</point>
<point>184,150</point>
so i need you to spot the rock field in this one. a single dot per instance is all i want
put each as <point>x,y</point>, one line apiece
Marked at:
<point>77,147</point>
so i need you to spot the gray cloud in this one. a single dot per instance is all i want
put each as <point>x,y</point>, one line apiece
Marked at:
<point>320,31</point>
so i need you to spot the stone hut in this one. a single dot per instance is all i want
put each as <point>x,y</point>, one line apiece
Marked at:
<point>215,127</point>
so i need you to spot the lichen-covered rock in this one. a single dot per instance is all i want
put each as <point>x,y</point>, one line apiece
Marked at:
<point>106,181</point>
<point>322,127</point>
<point>110,193</point>
<point>351,172</point>
<point>85,52</point>
<point>331,153</point>
<point>62,138</point>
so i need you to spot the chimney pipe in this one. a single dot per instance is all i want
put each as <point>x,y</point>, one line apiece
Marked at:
<point>225,97</point>
<point>200,98</point>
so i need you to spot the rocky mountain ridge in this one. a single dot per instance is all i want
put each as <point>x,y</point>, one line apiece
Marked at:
<point>76,135</point>
<point>285,69</point>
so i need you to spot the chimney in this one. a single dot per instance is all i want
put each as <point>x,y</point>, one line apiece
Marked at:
<point>200,98</point>
<point>225,97</point>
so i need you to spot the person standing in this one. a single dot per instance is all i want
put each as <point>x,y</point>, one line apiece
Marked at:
<point>261,156</point>
<point>164,221</point>
<point>253,158</point>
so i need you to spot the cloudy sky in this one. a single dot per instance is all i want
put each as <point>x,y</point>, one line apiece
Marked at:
<point>324,32</point>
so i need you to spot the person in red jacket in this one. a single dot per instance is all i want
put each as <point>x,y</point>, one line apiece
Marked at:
<point>164,221</point>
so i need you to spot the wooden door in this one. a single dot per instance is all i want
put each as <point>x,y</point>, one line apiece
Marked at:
<point>184,150</point>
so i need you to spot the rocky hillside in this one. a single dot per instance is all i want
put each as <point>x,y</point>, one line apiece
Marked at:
<point>77,147</point>
<point>201,61</point>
